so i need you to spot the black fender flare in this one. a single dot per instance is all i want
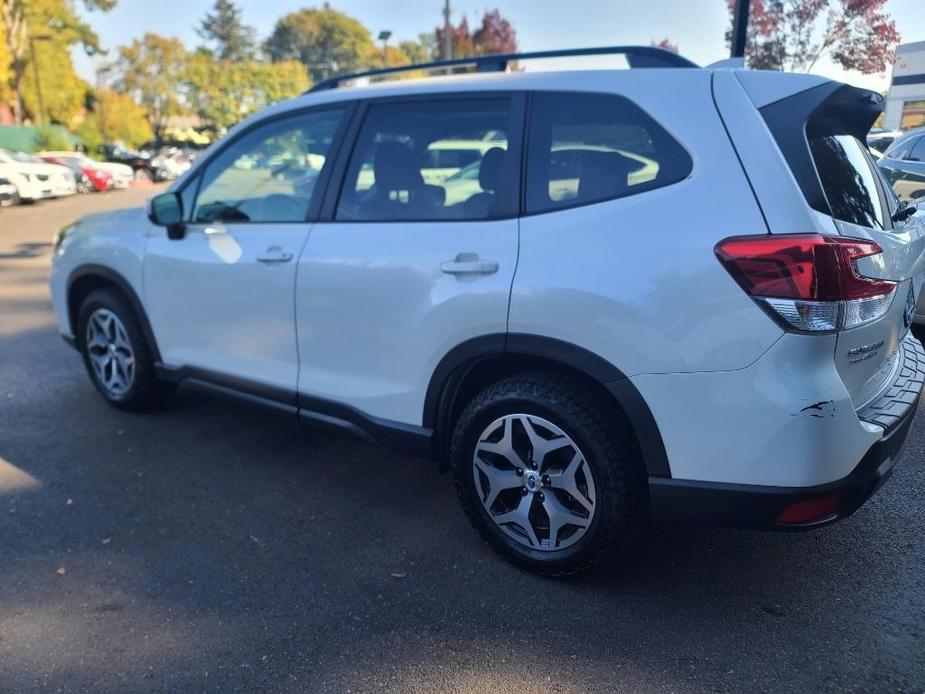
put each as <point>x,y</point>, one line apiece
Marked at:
<point>110,276</point>
<point>453,367</point>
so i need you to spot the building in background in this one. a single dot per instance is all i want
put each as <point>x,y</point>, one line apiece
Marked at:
<point>905,102</point>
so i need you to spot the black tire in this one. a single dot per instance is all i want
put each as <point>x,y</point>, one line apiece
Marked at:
<point>918,331</point>
<point>12,201</point>
<point>147,391</point>
<point>608,449</point>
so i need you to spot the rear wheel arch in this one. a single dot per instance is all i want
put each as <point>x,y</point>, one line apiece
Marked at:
<point>86,279</point>
<point>475,364</point>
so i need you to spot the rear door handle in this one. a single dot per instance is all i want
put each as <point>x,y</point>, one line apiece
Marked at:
<point>469,264</point>
<point>274,254</point>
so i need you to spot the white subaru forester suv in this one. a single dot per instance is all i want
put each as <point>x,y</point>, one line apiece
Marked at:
<point>675,293</point>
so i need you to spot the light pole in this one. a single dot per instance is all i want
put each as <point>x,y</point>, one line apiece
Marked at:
<point>101,72</point>
<point>40,116</point>
<point>447,38</point>
<point>384,36</point>
<point>740,28</point>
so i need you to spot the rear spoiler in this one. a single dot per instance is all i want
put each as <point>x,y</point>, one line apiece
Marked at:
<point>831,108</point>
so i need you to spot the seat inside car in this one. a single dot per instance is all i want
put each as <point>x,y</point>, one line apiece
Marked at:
<point>479,205</point>
<point>399,190</point>
<point>602,175</point>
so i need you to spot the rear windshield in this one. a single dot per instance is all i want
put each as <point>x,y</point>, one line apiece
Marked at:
<point>848,180</point>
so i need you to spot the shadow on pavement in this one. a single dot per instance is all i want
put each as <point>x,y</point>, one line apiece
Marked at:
<point>218,545</point>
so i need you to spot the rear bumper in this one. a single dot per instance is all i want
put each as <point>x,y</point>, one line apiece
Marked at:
<point>758,506</point>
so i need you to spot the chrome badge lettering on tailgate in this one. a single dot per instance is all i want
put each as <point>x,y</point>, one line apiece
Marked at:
<point>864,352</point>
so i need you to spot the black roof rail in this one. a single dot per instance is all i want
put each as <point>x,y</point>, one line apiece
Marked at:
<point>636,56</point>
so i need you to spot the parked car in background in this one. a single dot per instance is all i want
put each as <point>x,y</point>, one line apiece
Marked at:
<point>882,139</point>
<point>62,179</point>
<point>140,164</point>
<point>903,164</point>
<point>32,181</point>
<point>84,184</point>
<point>8,193</point>
<point>90,178</point>
<point>122,175</point>
<point>170,163</point>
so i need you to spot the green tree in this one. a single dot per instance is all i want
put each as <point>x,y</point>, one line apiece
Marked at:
<point>60,95</point>
<point>420,51</point>
<point>223,92</point>
<point>115,118</point>
<point>150,70</point>
<point>25,22</point>
<point>6,64</point>
<point>223,27</point>
<point>326,41</point>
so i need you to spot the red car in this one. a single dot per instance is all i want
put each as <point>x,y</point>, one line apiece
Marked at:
<point>100,180</point>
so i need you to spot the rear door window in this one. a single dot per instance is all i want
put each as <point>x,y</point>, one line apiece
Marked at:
<point>848,180</point>
<point>431,160</point>
<point>586,148</point>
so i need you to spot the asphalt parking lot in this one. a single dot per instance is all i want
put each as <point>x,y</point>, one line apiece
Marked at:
<point>218,547</point>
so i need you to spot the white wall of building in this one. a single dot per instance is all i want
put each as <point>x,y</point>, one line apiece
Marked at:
<point>909,72</point>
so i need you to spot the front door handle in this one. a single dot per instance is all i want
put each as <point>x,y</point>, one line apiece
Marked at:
<point>274,254</point>
<point>469,264</point>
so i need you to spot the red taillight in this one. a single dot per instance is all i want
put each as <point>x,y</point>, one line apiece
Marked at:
<point>819,268</point>
<point>802,512</point>
<point>811,281</point>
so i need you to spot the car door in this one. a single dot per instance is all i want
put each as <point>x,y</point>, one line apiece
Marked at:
<point>905,169</point>
<point>397,272</point>
<point>221,299</point>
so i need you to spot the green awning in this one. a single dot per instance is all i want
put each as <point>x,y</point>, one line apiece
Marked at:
<point>25,138</point>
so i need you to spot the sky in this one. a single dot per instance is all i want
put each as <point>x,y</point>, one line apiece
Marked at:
<point>697,26</point>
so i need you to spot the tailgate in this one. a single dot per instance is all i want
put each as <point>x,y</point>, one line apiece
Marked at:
<point>821,132</point>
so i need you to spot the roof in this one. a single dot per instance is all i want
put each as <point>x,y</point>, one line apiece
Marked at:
<point>913,47</point>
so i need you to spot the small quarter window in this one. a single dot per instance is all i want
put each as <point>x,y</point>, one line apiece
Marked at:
<point>586,148</point>
<point>848,180</point>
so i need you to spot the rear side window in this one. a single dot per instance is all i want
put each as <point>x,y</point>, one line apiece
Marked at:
<point>847,179</point>
<point>586,148</point>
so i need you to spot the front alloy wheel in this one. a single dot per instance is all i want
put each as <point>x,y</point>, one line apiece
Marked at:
<point>116,352</point>
<point>110,352</point>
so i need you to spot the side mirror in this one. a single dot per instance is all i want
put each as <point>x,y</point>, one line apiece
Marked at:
<point>166,210</point>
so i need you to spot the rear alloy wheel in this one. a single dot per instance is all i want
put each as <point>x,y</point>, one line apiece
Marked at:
<point>546,473</point>
<point>533,482</point>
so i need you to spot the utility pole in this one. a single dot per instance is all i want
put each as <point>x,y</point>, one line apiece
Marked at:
<point>40,116</point>
<point>384,36</point>
<point>447,37</point>
<point>101,72</point>
<point>740,28</point>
